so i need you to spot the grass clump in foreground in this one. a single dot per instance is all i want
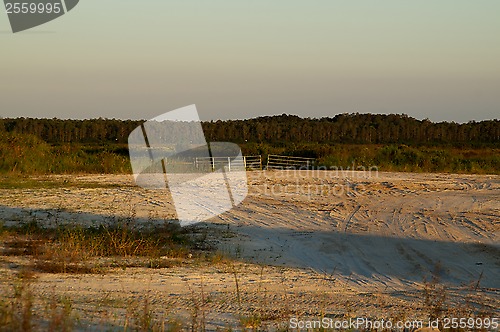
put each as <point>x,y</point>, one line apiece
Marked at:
<point>77,249</point>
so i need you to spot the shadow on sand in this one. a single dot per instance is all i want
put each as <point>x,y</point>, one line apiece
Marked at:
<point>363,256</point>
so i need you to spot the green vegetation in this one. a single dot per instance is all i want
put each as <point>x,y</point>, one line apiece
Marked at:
<point>28,154</point>
<point>389,142</point>
<point>390,157</point>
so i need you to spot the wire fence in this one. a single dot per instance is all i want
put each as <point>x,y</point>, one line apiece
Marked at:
<point>288,162</point>
<point>245,163</point>
<point>253,162</point>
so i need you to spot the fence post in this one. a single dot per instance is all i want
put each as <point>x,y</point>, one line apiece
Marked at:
<point>229,164</point>
<point>245,162</point>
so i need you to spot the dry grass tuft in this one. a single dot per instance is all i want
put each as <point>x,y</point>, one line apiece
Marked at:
<point>76,249</point>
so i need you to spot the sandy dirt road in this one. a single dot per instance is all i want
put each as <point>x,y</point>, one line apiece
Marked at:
<point>310,243</point>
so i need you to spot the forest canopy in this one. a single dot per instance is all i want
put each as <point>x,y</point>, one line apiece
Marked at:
<point>343,128</point>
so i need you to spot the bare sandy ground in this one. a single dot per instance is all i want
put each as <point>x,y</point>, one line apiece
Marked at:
<point>309,243</point>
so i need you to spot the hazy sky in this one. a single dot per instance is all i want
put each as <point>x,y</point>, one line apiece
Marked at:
<point>241,59</point>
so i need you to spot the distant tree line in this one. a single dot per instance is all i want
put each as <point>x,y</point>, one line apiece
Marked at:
<point>56,131</point>
<point>390,142</point>
<point>353,129</point>
<point>283,129</point>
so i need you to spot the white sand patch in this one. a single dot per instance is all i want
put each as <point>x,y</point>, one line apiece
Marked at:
<point>368,239</point>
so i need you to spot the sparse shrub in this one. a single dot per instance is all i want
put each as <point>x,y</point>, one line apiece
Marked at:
<point>75,249</point>
<point>16,309</point>
<point>59,314</point>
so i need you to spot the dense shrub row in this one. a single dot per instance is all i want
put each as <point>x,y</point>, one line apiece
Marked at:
<point>27,154</point>
<point>390,157</point>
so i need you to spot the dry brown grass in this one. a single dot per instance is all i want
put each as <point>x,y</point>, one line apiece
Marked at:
<point>75,249</point>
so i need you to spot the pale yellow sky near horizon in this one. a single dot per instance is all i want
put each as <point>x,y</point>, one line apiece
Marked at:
<point>235,59</point>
